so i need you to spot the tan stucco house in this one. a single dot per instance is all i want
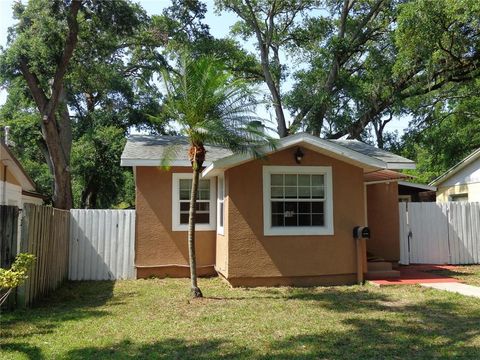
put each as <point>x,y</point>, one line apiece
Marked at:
<point>286,219</point>
<point>461,182</point>
<point>16,187</point>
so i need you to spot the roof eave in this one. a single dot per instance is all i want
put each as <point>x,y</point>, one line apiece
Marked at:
<point>157,163</point>
<point>418,186</point>
<point>456,168</point>
<point>401,166</point>
<point>318,144</point>
<point>18,171</point>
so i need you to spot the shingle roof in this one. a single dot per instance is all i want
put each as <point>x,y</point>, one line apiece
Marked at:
<point>372,151</point>
<point>150,150</point>
<point>173,150</point>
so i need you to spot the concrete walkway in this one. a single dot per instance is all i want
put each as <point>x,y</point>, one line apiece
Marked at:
<point>464,289</point>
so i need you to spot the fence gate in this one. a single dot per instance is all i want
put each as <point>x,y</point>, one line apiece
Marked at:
<point>439,233</point>
<point>102,244</point>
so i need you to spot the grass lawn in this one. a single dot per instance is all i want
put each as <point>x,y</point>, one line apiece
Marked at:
<point>469,274</point>
<point>154,319</point>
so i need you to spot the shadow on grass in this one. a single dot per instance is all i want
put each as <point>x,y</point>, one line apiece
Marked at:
<point>370,325</point>
<point>30,351</point>
<point>165,349</point>
<point>453,273</point>
<point>73,301</point>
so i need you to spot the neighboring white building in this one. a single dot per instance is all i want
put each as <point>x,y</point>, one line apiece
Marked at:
<point>461,182</point>
<point>16,187</point>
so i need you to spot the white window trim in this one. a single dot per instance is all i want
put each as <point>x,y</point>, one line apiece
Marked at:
<point>221,229</point>
<point>176,226</point>
<point>404,198</point>
<point>327,229</point>
<point>455,197</point>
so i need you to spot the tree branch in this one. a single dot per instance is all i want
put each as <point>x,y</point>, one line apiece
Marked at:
<point>70,44</point>
<point>34,85</point>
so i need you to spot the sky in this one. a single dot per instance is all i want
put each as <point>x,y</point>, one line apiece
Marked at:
<point>219,27</point>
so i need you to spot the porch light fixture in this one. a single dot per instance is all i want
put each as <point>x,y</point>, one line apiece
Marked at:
<point>298,155</point>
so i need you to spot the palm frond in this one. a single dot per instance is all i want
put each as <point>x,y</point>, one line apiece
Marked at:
<point>171,152</point>
<point>212,107</point>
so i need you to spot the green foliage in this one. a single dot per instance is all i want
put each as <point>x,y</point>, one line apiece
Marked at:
<point>109,84</point>
<point>383,59</point>
<point>439,35</point>
<point>95,167</point>
<point>363,61</point>
<point>20,114</point>
<point>444,134</point>
<point>181,27</point>
<point>212,106</point>
<point>17,274</point>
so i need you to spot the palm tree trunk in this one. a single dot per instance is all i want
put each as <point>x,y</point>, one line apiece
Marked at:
<point>195,290</point>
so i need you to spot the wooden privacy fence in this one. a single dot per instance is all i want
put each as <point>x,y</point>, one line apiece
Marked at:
<point>102,245</point>
<point>439,233</point>
<point>45,233</point>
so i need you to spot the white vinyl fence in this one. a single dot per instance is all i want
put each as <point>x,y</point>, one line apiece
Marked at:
<point>440,233</point>
<point>102,244</point>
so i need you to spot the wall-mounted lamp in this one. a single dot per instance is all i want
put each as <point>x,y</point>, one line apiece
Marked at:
<point>298,155</point>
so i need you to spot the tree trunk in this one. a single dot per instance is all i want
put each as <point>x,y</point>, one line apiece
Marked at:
<point>196,165</point>
<point>264,43</point>
<point>89,196</point>
<point>55,120</point>
<point>62,194</point>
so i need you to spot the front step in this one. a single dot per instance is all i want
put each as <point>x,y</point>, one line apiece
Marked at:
<point>379,266</point>
<point>382,274</point>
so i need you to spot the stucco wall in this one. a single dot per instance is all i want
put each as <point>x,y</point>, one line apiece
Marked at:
<point>257,259</point>
<point>221,262</point>
<point>160,251</point>
<point>383,220</point>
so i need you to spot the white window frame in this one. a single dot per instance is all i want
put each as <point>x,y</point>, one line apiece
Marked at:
<point>176,226</point>
<point>220,201</point>
<point>404,198</point>
<point>327,229</point>
<point>456,197</point>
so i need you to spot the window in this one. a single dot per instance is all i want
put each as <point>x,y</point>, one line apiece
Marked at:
<point>220,204</point>
<point>404,198</point>
<point>205,208</point>
<point>297,200</point>
<point>459,197</point>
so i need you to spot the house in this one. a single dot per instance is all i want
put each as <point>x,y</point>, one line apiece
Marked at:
<point>461,182</point>
<point>16,187</point>
<point>285,219</point>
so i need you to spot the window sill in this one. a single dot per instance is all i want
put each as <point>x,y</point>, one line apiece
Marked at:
<point>198,227</point>
<point>299,231</point>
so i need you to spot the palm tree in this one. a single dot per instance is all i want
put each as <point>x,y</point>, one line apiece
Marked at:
<point>210,107</point>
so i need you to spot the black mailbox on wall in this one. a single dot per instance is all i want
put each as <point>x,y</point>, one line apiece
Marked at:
<point>361,232</point>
